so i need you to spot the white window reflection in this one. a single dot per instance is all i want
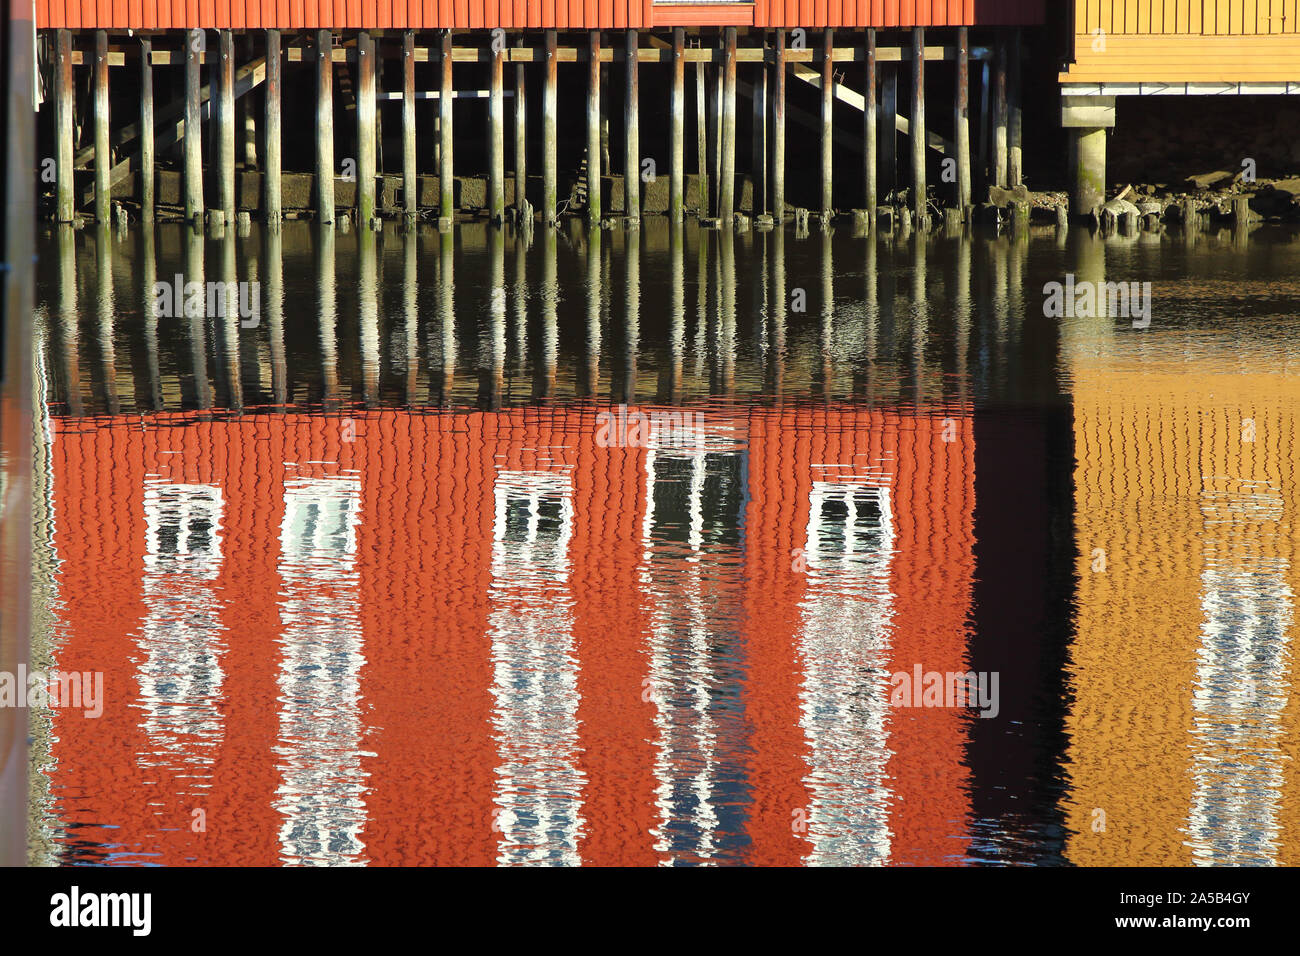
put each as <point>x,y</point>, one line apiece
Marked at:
<point>539,784</point>
<point>179,672</point>
<point>844,639</point>
<point>322,781</point>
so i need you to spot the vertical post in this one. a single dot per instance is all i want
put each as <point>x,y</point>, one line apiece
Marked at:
<point>1088,184</point>
<point>828,105</point>
<point>714,135</point>
<point>274,164</point>
<point>1015,155</point>
<point>1000,119</point>
<point>410,179</point>
<point>888,161</point>
<point>727,194</point>
<point>962,121</point>
<point>193,129</point>
<point>701,142</point>
<point>103,150</point>
<point>869,131</point>
<point>225,90</point>
<point>146,130</point>
<point>758,146</point>
<point>65,204</point>
<point>365,129</point>
<point>550,189</point>
<point>324,127</point>
<point>631,132</point>
<point>593,126</point>
<point>446,176</point>
<point>521,135</point>
<point>677,131</point>
<point>920,201</point>
<point>778,129</point>
<point>983,156</point>
<point>496,137</point>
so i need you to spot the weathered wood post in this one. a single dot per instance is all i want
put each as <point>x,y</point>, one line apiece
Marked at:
<point>1000,118</point>
<point>632,130</point>
<point>272,174</point>
<point>778,128</point>
<point>193,145</point>
<point>103,146</point>
<point>65,201</point>
<point>677,130</point>
<point>920,198</point>
<point>521,135</point>
<point>365,129</point>
<point>888,154</point>
<point>550,168</point>
<point>828,120</point>
<point>1015,155</point>
<point>496,136</point>
<point>701,142</point>
<point>146,130</point>
<point>410,177</point>
<point>324,127</point>
<point>961,120</point>
<point>727,194</point>
<point>224,109</point>
<point>758,137</point>
<point>593,126</point>
<point>446,176</point>
<point>870,139</point>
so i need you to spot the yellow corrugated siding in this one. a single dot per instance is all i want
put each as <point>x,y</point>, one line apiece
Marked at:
<point>1187,58</point>
<point>1211,17</point>
<point>1146,441</point>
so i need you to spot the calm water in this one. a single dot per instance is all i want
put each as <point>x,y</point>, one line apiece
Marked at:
<point>667,548</point>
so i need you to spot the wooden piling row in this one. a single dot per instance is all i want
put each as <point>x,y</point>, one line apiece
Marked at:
<point>718,81</point>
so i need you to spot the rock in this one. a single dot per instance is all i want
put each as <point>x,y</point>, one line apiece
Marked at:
<point>1215,180</point>
<point>1006,197</point>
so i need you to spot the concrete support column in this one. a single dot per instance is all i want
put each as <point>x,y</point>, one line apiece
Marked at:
<point>1088,173</point>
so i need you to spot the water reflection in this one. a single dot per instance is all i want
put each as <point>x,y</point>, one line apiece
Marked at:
<point>607,547</point>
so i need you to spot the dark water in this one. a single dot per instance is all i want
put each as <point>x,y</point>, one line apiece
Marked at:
<point>669,547</point>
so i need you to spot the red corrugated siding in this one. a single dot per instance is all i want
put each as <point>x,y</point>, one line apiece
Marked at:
<point>517,14</point>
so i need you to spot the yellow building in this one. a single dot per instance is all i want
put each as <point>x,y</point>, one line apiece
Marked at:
<point>1183,728</point>
<point>1164,48</point>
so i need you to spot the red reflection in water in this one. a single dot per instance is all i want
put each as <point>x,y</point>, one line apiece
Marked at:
<point>365,651</point>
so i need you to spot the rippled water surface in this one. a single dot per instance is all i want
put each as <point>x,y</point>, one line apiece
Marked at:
<point>667,547</point>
